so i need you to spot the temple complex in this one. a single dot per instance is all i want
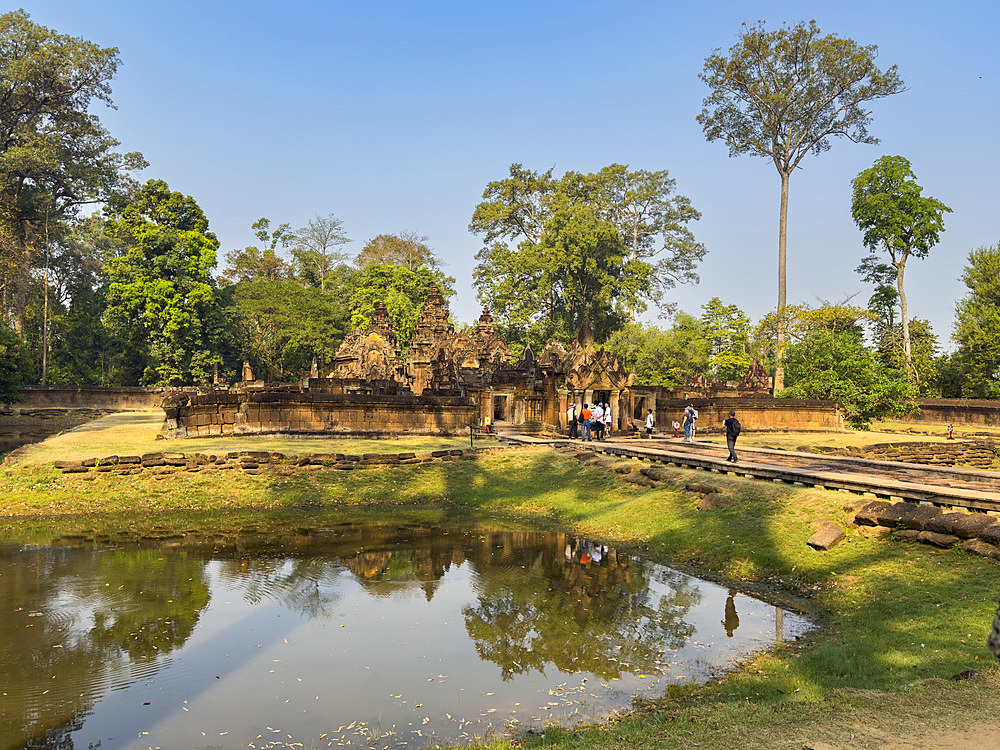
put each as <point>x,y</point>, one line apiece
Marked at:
<point>444,381</point>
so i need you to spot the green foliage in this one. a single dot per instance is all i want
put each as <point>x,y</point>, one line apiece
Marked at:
<point>253,263</point>
<point>407,249</point>
<point>977,328</point>
<point>667,358</point>
<point>780,94</point>
<point>401,290</point>
<point>585,246</point>
<point>835,365</point>
<point>161,297</point>
<point>888,207</point>
<point>727,330</point>
<point>314,249</point>
<point>14,363</point>
<point>54,153</point>
<point>279,326</point>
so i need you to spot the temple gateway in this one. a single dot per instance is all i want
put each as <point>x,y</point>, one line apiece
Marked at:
<point>442,383</point>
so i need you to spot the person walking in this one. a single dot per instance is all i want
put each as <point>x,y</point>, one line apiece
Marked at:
<point>687,422</point>
<point>650,424</point>
<point>586,414</point>
<point>571,421</point>
<point>733,429</point>
<point>608,421</point>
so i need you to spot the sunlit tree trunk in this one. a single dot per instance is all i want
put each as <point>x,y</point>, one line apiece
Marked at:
<point>779,370</point>
<point>911,376</point>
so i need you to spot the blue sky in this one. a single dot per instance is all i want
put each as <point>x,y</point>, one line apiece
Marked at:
<point>395,115</point>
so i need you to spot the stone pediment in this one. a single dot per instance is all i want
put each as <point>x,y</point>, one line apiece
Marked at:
<point>601,372</point>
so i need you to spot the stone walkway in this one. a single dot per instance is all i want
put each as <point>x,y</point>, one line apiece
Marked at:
<point>947,486</point>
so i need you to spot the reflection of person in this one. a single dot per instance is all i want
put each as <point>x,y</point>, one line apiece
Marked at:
<point>732,620</point>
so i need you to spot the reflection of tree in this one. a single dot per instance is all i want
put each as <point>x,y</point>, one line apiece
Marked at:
<point>578,617</point>
<point>76,617</point>
<point>310,585</point>
<point>155,602</point>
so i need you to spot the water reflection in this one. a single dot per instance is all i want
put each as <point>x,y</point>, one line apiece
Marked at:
<point>404,633</point>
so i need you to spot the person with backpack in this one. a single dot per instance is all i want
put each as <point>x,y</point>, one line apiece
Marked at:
<point>571,420</point>
<point>650,424</point>
<point>733,429</point>
<point>687,421</point>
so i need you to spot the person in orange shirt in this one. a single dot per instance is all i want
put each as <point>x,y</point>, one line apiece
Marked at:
<point>587,415</point>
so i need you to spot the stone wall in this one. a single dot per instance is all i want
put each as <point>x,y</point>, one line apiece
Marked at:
<point>227,413</point>
<point>959,411</point>
<point>755,414</point>
<point>89,397</point>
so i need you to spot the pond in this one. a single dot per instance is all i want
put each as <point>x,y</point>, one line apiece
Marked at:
<point>389,636</point>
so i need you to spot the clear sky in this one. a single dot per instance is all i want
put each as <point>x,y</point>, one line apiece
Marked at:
<point>395,115</point>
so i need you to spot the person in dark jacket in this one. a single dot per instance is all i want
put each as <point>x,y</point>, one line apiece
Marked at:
<point>732,426</point>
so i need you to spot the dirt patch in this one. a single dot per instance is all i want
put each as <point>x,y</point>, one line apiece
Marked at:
<point>976,737</point>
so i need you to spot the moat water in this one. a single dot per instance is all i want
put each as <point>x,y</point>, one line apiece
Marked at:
<point>386,636</point>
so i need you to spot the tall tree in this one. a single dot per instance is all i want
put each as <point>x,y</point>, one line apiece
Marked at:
<point>254,263</point>
<point>727,331</point>
<point>977,325</point>
<point>888,207</point>
<point>667,358</point>
<point>161,295</point>
<point>314,248</point>
<point>55,156</point>
<point>784,93</point>
<point>407,249</point>
<point>650,216</point>
<point>625,242</point>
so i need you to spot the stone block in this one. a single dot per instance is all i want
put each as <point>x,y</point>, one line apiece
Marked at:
<point>249,465</point>
<point>890,515</point>
<point>405,456</point>
<point>108,460</point>
<point>639,479</point>
<point>991,533</point>
<point>175,461</point>
<point>151,462</point>
<point>918,516</point>
<point>74,468</point>
<point>89,462</point>
<point>905,535</point>
<point>623,467</point>
<point>869,514</point>
<point>442,454</point>
<point>656,473</point>
<point>827,536</point>
<point>938,540</point>
<point>963,525</point>
<point>457,452</point>
<point>130,459</point>
<point>344,467</point>
<point>979,547</point>
<point>413,460</point>
<point>702,488</point>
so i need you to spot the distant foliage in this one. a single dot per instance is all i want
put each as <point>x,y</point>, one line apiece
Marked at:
<point>13,365</point>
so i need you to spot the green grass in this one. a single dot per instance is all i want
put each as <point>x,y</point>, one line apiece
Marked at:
<point>898,619</point>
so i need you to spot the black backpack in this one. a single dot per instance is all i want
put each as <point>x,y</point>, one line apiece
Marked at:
<point>735,426</point>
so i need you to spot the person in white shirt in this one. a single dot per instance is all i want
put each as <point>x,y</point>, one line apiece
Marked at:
<point>650,423</point>
<point>597,416</point>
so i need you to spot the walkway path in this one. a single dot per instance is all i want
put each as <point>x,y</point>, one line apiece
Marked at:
<point>969,488</point>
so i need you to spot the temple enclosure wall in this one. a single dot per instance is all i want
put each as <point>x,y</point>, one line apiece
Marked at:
<point>89,397</point>
<point>755,414</point>
<point>227,413</point>
<point>957,411</point>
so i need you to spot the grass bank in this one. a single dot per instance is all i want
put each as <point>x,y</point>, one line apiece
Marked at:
<point>898,620</point>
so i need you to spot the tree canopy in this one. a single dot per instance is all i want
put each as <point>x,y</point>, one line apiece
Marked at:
<point>401,290</point>
<point>598,247</point>
<point>977,328</point>
<point>407,249</point>
<point>161,296</point>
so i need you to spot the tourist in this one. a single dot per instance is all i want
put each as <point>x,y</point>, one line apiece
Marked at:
<point>733,428</point>
<point>650,423</point>
<point>687,421</point>
<point>586,414</point>
<point>951,432</point>
<point>607,420</point>
<point>598,416</point>
<point>571,420</point>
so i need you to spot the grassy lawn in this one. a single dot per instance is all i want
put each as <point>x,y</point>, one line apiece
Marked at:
<point>134,433</point>
<point>898,619</point>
